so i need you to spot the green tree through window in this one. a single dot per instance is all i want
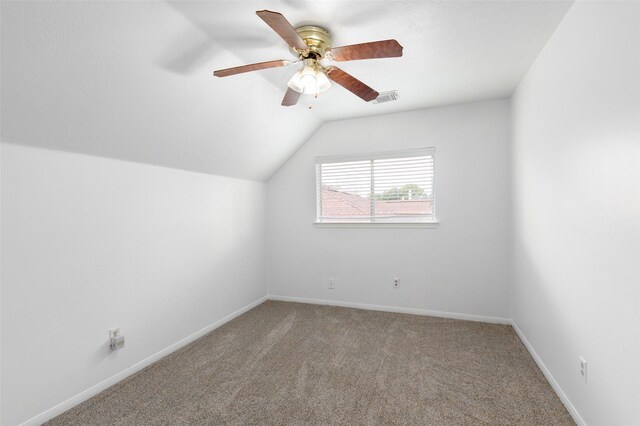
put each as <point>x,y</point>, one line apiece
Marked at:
<point>410,191</point>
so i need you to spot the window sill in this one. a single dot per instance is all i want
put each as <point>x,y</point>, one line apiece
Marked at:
<point>376,225</point>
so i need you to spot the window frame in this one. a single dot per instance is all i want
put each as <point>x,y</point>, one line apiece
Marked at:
<point>383,155</point>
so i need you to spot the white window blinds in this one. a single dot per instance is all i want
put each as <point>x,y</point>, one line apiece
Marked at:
<point>393,187</point>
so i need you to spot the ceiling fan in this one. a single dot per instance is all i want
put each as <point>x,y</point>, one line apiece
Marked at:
<point>311,44</point>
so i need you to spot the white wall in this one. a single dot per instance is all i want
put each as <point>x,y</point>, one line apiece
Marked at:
<point>577,209</point>
<point>92,243</point>
<point>460,267</point>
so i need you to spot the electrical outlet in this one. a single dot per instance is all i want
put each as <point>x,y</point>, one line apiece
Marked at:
<point>396,282</point>
<point>114,332</point>
<point>583,369</point>
<point>116,341</point>
<point>331,285</point>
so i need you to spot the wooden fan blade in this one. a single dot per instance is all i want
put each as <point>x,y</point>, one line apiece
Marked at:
<point>279,24</point>
<point>251,67</point>
<point>291,97</point>
<point>352,84</point>
<point>374,49</point>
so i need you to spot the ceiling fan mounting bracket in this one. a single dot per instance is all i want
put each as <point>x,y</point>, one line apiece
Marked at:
<point>317,38</point>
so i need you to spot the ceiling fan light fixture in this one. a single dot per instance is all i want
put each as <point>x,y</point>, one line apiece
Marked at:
<point>309,81</point>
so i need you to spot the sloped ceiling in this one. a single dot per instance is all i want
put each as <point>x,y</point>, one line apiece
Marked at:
<point>132,80</point>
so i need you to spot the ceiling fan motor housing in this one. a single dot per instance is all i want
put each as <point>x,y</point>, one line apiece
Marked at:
<point>317,38</point>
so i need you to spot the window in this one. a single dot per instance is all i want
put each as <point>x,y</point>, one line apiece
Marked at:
<point>392,187</point>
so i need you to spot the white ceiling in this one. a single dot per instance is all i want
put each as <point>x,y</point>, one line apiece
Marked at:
<point>132,80</point>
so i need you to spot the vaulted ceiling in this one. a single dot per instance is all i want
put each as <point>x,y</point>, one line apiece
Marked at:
<point>132,80</point>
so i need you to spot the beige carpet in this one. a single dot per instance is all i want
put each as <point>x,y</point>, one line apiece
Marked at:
<point>290,363</point>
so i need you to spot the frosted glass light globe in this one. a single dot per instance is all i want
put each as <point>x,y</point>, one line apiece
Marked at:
<point>309,81</point>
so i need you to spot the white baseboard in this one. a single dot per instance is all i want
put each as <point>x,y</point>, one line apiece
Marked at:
<point>96,389</point>
<point>552,381</point>
<point>414,311</point>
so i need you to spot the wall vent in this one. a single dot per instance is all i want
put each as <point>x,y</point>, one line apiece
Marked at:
<point>386,97</point>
